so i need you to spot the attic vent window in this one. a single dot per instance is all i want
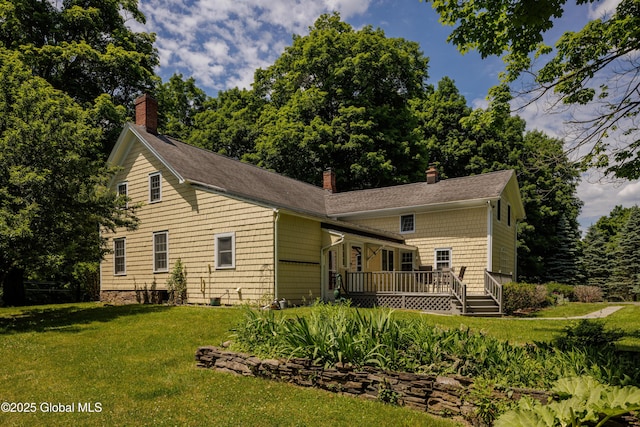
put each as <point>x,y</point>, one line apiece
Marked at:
<point>407,223</point>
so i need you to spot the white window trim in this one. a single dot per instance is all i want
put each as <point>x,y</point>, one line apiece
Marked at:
<point>385,260</point>
<point>124,241</point>
<point>126,191</point>
<point>153,243</point>
<point>413,229</point>
<point>216,238</point>
<point>435,257</point>
<point>153,174</point>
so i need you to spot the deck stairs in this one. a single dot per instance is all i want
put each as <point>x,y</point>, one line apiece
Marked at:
<point>477,305</point>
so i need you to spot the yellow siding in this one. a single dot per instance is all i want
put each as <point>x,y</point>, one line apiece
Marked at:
<point>192,217</point>
<point>299,244</point>
<point>463,230</point>
<point>503,257</point>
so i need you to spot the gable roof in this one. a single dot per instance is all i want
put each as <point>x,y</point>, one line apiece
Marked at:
<point>470,190</point>
<point>222,174</point>
<point>207,169</point>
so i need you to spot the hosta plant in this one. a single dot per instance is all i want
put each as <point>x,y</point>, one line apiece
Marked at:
<point>582,401</point>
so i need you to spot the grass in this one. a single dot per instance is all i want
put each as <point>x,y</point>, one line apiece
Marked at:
<point>138,363</point>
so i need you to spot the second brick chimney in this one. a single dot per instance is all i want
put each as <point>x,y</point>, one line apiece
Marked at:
<point>432,175</point>
<point>329,181</point>
<point>147,113</point>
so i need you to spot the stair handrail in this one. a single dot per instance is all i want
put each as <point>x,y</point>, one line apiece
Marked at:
<point>459,291</point>
<point>493,288</point>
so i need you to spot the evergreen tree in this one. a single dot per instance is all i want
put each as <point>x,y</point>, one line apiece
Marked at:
<point>596,261</point>
<point>562,264</point>
<point>625,280</point>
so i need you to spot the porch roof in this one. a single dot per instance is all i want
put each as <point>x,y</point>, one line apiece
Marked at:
<point>351,236</point>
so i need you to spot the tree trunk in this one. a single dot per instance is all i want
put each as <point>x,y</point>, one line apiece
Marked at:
<point>13,287</point>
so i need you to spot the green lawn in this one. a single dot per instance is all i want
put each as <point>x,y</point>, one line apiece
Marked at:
<point>137,362</point>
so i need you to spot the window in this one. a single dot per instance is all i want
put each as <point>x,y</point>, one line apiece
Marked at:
<point>442,258</point>
<point>499,209</point>
<point>160,251</point>
<point>123,190</point>
<point>509,215</point>
<point>119,257</point>
<point>155,187</point>
<point>225,254</point>
<point>356,258</point>
<point>407,223</point>
<point>387,260</point>
<point>406,261</point>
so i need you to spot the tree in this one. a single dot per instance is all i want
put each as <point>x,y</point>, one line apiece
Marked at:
<point>465,142</point>
<point>229,123</point>
<point>563,263</point>
<point>53,194</point>
<point>601,250</point>
<point>179,101</point>
<point>595,66</point>
<point>596,261</point>
<point>85,49</point>
<point>625,280</point>
<point>339,98</point>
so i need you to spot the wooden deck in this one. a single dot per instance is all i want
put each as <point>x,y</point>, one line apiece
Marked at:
<point>439,291</point>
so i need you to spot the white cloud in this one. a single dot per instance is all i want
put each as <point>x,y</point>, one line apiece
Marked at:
<point>603,8</point>
<point>200,38</point>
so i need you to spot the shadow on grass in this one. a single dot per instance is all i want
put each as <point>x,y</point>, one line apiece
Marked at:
<point>66,317</point>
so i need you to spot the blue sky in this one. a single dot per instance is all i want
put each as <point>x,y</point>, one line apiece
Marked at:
<point>222,42</point>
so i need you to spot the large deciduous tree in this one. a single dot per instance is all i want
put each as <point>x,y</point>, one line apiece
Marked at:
<point>179,101</point>
<point>85,49</point>
<point>463,142</point>
<point>596,66</point>
<point>338,98</point>
<point>53,194</point>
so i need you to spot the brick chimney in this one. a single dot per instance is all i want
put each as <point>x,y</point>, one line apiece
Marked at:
<point>432,175</point>
<point>329,181</point>
<point>147,113</point>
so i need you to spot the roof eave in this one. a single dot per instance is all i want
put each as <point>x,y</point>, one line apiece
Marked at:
<point>431,207</point>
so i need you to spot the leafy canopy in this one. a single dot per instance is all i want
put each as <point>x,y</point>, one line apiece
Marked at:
<point>596,66</point>
<point>53,192</point>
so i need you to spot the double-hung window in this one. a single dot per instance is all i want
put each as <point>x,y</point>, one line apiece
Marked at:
<point>119,256</point>
<point>443,258</point>
<point>225,250</point>
<point>155,187</point>
<point>407,223</point>
<point>161,252</point>
<point>406,261</point>
<point>123,192</point>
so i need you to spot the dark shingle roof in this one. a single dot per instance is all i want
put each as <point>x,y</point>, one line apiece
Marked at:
<point>224,174</point>
<point>476,187</point>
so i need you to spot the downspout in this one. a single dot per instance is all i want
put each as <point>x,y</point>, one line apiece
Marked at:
<point>515,247</point>
<point>489,236</point>
<point>276,218</point>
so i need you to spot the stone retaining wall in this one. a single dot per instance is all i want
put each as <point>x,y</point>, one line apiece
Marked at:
<point>443,396</point>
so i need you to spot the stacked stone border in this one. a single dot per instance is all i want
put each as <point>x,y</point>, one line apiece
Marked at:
<point>442,396</point>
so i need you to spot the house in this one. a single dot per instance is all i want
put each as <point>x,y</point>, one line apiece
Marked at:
<point>245,234</point>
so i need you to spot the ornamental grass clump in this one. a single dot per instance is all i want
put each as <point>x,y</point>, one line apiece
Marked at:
<point>333,334</point>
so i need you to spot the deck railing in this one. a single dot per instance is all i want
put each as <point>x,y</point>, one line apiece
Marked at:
<point>459,291</point>
<point>493,285</point>
<point>398,282</point>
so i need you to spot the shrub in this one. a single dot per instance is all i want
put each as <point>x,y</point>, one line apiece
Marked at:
<point>523,297</point>
<point>587,293</point>
<point>588,334</point>
<point>559,293</point>
<point>177,283</point>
